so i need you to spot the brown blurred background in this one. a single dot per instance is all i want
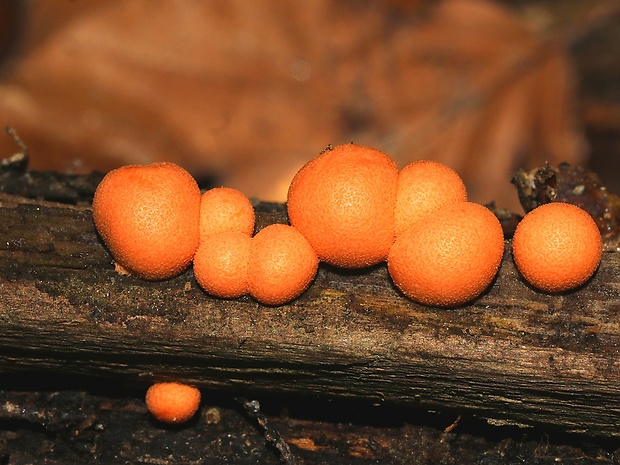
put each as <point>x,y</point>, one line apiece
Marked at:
<point>244,93</point>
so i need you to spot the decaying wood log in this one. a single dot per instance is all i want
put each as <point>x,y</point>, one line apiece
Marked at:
<point>514,355</point>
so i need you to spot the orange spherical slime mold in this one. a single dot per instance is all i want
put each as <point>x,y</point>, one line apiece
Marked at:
<point>423,187</point>
<point>148,216</point>
<point>557,247</point>
<point>282,264</point>
<point>450,258</point>
<point>221,264</point>
<point>224,209</point>
<point>343,203</point>
<point>172,402</point>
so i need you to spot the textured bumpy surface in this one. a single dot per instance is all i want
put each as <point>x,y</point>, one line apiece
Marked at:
<point>423,187</point>
<point>449,258</point>
<point>148,216</point>
<point>557,247</point>
<point>281,266</point>
<point>225,209</point>
<point>221,264</point>
<point>343,202</point>
<point>172,402</point>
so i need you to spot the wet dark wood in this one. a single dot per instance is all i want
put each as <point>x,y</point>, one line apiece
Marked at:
<point>77,427</point>
<point>513,356</point>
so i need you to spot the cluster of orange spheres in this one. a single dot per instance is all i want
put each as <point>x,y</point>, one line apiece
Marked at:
<point>356,210</point>
<point>156,222</point>
<point>349,207</point>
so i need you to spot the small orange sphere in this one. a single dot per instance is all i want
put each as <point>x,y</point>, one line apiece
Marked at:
<point>423,187</point>
<point>449,258</point>
<point>148,217</point>
<point>221,264</point>
<point>225,209</point>
<point>557,247</point>
<point>343,202</point>
<point>282,264</point>
<point>172,402</point>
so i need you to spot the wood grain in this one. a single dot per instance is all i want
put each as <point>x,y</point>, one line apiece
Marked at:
<point>513,356</point>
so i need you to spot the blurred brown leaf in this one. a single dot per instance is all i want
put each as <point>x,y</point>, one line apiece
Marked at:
<point>251,90</point>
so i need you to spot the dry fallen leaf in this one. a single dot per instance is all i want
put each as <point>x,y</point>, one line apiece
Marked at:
<point>249,91</point>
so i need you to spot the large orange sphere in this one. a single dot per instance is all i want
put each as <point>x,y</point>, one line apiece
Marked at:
<point>343,202</point>
<point>449,258</point>
<point>557,247</point>
<point>148,216</point>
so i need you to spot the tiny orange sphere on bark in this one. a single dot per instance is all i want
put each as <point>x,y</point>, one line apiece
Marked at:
<point>172,402</point>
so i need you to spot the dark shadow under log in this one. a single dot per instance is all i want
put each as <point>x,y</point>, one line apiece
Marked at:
<point>513,356</point>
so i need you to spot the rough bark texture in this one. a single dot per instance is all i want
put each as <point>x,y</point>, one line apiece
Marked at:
<point>514,355</point>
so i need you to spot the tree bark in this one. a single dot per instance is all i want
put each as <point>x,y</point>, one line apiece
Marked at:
<point>514,355</point>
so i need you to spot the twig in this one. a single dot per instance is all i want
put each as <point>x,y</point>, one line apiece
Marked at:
<point>454,424</point>
<point>272,436</point>
<point>18,161</point>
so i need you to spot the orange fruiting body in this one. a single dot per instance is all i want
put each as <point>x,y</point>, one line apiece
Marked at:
<point>148,216</point>
<point>282,264</point>
<point>224,209</point>
<point>557,247</point>
<point>343,202</point>
<point>172,402</point>
<point>221,264</point>
<point>449,258</point>
<point>423,187</point>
